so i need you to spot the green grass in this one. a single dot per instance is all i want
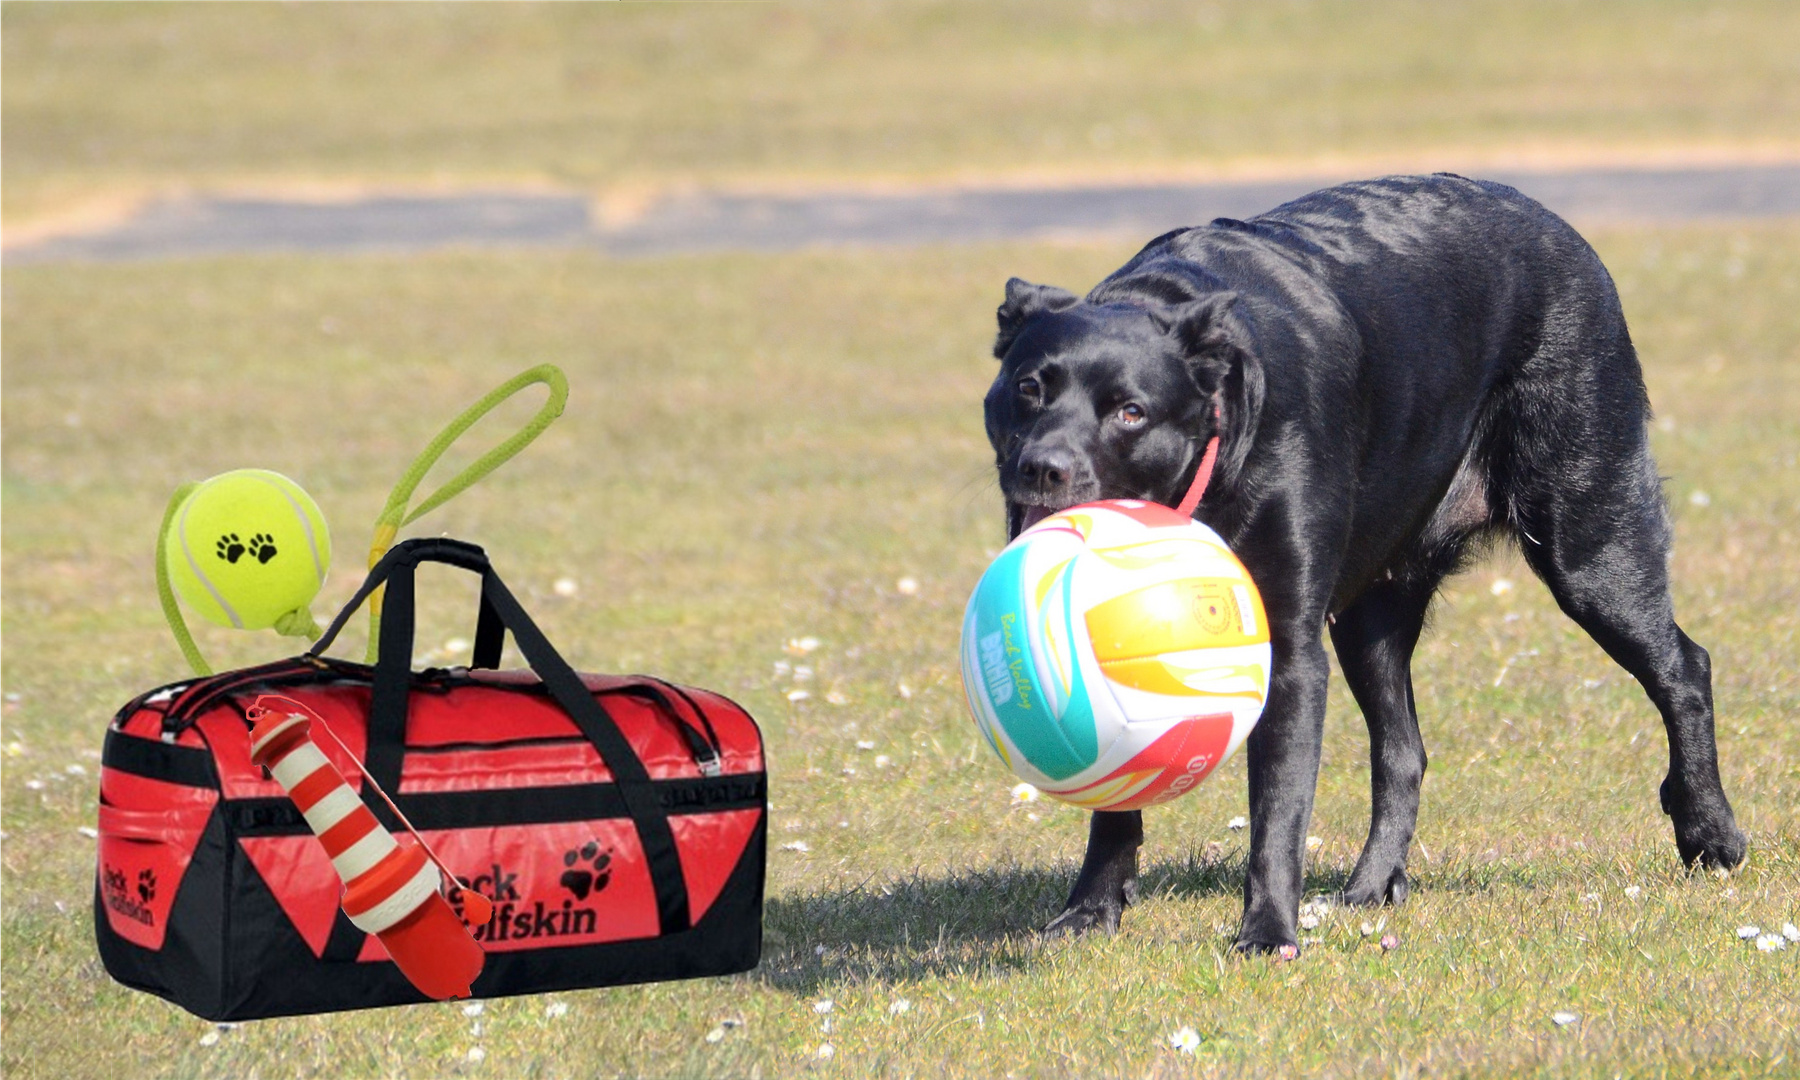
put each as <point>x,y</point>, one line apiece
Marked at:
<point>756,449</point>
<point>103,101</point>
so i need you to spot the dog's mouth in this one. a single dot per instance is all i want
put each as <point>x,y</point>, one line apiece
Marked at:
<point>1022,516</point>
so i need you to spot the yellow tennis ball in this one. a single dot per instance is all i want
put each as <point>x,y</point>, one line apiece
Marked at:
<point>247,548</point>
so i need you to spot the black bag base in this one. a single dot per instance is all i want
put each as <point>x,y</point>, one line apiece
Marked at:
<point>716,946</point>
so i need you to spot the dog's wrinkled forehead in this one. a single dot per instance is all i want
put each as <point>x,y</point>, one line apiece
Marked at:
<point>1089,335</point>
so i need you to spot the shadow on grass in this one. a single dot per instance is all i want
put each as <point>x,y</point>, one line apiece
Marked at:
<point>986,921</point>
<point>981,922</point>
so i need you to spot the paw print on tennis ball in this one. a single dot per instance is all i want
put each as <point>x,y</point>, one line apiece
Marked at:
<point>147,884</point>
<point>262,545</point>
<point>589,870</point>
<point>231,549</point>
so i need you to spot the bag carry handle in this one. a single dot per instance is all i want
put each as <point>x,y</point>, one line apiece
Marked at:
<point>392,686</point>
<point>490,631</point>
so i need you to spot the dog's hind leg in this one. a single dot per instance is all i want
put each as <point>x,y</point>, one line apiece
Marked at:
<point>1108,879</point>
<point>1602,547</point>
<point>1585,500</point>
<point>1374,638</point>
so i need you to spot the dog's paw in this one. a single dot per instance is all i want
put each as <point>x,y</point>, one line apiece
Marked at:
<point>1706,833</point>
<point>1287,950</point>
<point>1373,891</point>
<point>1093,913</point>
<point>1265,930</point>
<point>1080,919</point>
<point>1712,845</point>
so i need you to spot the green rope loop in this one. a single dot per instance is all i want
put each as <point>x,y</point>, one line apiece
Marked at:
<point>165,590</point>
<point>395,515</point>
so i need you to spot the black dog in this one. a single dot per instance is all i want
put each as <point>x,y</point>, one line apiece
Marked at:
<point>1396,370</point>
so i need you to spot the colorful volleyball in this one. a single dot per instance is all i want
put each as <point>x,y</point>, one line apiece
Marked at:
<point>1114,654</point>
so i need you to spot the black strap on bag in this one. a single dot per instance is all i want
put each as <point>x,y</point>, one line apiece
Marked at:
<point>500,613</point>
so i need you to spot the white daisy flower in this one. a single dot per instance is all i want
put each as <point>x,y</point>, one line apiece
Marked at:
<point>1186,1040</point>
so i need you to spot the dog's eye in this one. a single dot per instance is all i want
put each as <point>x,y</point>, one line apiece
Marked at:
<point>1131,414</point>
<point>1030,387</point>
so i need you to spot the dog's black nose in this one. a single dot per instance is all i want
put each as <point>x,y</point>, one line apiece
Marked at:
<point>1046,468</point>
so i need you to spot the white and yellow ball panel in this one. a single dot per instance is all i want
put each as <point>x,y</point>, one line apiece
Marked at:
<point>1133,634</point>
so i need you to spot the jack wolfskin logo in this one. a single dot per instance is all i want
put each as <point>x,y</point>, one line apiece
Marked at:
<point>116,893</point>
<point>521,912</point>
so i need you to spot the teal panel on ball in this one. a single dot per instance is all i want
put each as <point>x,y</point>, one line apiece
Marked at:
<point>1077,720</point>
<point>1011,677</point>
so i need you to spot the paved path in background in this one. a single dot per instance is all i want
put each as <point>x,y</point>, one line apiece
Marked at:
<point>711,222</point>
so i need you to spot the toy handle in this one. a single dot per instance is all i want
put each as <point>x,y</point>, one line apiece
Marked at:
<point>165,590</point>
<point>395,515</point>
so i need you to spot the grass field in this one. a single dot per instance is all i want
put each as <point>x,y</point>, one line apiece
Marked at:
<point>757,449</point>
<point>104,103</point>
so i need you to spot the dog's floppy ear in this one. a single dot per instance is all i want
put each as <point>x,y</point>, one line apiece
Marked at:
<point>1024,300</point>
<point>1221,350</point>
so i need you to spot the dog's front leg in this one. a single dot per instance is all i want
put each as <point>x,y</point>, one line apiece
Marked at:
<point>1284,771</point>
<point>1108,879</point>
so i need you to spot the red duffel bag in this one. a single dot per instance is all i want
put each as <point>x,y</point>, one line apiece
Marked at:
<point>618,824</point>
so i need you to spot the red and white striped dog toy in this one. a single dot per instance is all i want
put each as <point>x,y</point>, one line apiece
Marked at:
<point>390,890</point>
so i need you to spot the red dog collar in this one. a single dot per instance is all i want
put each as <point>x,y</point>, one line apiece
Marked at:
<point>1202,475</point>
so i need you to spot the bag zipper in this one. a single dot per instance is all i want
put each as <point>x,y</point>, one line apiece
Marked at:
<point>306,669</point>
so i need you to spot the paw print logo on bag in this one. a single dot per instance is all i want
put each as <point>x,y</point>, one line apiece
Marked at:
<point>589,869</point>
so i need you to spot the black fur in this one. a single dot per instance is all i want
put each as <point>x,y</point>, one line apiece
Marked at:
<point>1398,369</point>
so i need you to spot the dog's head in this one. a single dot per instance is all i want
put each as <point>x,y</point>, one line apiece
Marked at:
<point>1116,396</point>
